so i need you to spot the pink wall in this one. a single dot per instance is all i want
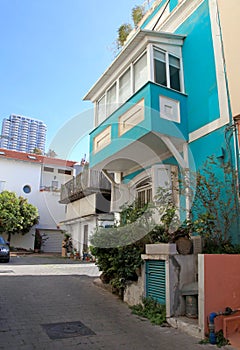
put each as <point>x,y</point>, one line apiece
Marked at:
<point>221,285</point>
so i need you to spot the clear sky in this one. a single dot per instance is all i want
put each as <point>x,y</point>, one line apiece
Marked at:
<point>51,53</point>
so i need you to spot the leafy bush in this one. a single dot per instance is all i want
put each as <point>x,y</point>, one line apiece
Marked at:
<point>152,310</point>
<point>220,340</point>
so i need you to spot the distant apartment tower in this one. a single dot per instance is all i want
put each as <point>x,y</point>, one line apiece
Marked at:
<point>23,134</point>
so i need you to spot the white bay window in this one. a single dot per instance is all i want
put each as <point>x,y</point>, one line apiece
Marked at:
<point>159,62</point>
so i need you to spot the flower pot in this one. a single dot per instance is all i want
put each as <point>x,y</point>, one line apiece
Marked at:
<point>184,245</point>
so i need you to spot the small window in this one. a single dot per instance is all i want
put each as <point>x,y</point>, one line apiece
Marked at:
<point>160,67</point>
<point>167,69</point>
<point>63,171</point>
<point>144,193</point>
<point>174,71</point>
<point>50,170</point>
<point>26,189</point>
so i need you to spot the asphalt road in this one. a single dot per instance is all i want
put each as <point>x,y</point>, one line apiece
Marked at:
<point>67,311</point>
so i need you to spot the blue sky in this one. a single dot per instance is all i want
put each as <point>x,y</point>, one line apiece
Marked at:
<point>51,53</point>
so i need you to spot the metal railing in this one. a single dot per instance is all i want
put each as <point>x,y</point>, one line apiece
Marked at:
<point>88,182</point>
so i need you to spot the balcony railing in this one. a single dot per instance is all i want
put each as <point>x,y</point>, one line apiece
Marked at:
<point>85,183</point>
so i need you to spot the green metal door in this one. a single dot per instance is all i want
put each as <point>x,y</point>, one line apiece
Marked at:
<point>156,280</point>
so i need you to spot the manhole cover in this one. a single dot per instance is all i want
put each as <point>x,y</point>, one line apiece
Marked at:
<point>66,330</point>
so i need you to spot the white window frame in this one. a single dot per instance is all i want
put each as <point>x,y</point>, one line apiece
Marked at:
<point>167,53</point>
<point>144,189</point>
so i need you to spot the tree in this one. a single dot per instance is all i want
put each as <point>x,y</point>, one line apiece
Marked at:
<point>17,216</point>
<point>37,151</point>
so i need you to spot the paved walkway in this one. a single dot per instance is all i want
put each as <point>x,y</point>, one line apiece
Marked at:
<point>45,264</point>
<point>53,312</point>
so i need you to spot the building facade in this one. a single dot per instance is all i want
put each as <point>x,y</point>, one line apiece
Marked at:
<point>87,198</point>
<point>38,180</point>
<point>23,134</point>
<point>168,100</point>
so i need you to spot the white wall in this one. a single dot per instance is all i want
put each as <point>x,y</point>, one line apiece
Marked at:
<point>82,207</point>
<point>76,229</point>
<point>15,174</point>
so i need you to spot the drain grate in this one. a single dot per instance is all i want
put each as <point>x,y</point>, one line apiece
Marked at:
<point>66,330</point>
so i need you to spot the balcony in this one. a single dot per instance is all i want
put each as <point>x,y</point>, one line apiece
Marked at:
<point>151,124</point>
<point>84,184</point>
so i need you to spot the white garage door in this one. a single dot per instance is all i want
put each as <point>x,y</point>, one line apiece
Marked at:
<point>53,243</point>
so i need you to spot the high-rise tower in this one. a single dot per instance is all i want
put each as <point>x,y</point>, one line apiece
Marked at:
<point>23,134</point>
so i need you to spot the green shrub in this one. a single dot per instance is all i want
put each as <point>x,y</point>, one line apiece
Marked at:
<point>151,310</point>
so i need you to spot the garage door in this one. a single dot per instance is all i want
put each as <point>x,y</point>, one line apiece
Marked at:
<point>53,242</point>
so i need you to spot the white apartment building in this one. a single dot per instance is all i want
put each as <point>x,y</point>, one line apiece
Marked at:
<point>38,179</point>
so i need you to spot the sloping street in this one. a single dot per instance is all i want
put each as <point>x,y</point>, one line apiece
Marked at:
<point>56,306</point>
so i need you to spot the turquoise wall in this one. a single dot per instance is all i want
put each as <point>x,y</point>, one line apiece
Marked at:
<point>199,69</point>
<point>173,4</point>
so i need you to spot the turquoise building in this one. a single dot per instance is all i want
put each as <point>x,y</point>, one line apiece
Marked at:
<point>168,100</point>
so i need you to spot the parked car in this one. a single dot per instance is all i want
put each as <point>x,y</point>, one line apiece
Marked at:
<point>4,250</point>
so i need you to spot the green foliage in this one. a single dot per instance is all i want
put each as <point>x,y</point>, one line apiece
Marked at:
<point>17,216</point>
<point>220,340</point>
<point>123,32</point>
<point>152,310</point>
<point>37,151</point>
<point>137,14</point>
<point>118,249</point>
<point>214,210</point>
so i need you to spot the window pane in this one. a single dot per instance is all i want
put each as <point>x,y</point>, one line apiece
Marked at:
<point>160,72</point>
<point>101,110</point>
<point>140,72</point>
<point>149,195</point>
<point>141,199</point>
<point>159,55</point>
<point>174,61</point>
<point>111,99</point>
<point>174,71</point>
<point>174,78</point>
<point>124,86</point>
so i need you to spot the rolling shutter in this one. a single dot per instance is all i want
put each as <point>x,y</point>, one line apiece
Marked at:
<point>156,280</point>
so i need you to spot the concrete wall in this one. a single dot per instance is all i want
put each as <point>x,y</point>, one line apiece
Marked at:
<point>180,270</point>
<point>134,291</point>
<point>219,286</point>
<point>81,207</point>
